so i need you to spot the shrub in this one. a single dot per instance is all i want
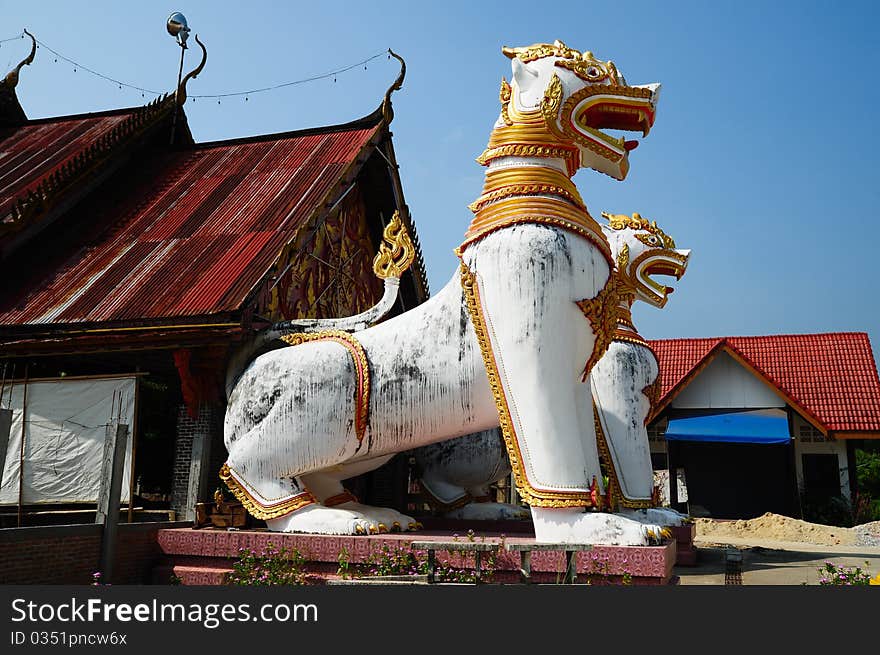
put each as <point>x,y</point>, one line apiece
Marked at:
<point>832,574</point>
<point>285,566</point>
<point>868,470</point>
<point>865,509</point>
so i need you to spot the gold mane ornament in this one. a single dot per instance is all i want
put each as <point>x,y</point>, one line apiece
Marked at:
<point>583,64</point>
<point>636,222</point>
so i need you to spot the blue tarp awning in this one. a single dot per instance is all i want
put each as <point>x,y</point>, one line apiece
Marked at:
<point>759,427</point>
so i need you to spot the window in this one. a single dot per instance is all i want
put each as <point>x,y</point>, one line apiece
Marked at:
<point>808,434</point>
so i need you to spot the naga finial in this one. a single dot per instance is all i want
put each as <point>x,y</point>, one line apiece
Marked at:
<point>181,90</point>
<point>11,79</point>
<point>396,252</point>
<point>387,109</point>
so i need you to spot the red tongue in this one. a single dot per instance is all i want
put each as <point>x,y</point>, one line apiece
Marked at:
<point>669,290</point>
<point>630,145</point>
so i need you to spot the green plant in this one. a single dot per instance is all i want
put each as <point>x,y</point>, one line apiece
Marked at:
<point>868,470</point>
<point>865,508</point>
<point>831,574</point>
<point>174,580</point>
<point>344,561</point>
<point>285,566</point>
<point>400,560</point>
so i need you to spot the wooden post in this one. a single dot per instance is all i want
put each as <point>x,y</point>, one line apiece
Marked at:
<point>5,427</point>
<point>198,469</point>
<point>525,570</point>
<point>21,450</point>
<point>134,435</point>
<point>108,498</point>
<point>852,473</point>
<point>431,566</point>
<point>672,463</point>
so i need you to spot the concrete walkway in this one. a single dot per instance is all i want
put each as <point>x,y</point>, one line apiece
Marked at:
<point>768,562</point>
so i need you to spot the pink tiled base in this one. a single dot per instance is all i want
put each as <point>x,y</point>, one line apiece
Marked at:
<point>203,556</point>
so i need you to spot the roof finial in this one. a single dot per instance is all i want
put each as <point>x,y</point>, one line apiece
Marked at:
<point>11,79</point>
<point>181,90</point>
<point>387,109</point>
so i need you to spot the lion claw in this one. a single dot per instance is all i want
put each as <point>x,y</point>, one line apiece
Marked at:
<point>374,529</point>
<point>382,528</point>
<point>395,527</point>
<point>359,529</point>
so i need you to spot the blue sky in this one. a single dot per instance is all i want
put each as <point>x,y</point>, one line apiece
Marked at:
<point>762,159</point>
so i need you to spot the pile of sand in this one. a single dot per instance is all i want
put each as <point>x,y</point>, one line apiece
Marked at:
<point>775,527</point>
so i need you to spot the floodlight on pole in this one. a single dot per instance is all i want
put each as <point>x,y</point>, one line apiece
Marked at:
<point>178,28</point>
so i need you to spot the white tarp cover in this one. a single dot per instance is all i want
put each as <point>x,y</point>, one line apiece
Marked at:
<point>65,430</point>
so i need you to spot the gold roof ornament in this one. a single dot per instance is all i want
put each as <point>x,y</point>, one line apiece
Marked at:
<point>181,89</point>
<point>11,79</point>
<point>387,109</point>
<point>396,253</point>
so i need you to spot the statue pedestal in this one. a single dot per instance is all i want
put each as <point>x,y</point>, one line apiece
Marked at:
<point>203,557</point>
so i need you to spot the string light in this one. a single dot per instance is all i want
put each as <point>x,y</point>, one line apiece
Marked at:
<point>314,78</point>
<point>120,84</point>
<point>12,38</point>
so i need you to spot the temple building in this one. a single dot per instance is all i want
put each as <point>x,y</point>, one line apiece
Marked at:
<point>765,423</point>
<point>130,252</point>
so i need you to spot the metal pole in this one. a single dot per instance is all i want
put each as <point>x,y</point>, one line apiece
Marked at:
<point>176,92</point>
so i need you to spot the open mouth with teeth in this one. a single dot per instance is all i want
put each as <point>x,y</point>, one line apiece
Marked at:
<point>598,108</point>
<point>668,263</point>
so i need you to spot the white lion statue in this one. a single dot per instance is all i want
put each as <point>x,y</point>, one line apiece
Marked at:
<point>509,341</point>
<point>456,474</point>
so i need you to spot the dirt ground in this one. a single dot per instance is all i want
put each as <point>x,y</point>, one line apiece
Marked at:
<point>778,550</point>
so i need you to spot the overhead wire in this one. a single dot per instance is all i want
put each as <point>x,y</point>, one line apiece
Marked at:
<point>78,66</point>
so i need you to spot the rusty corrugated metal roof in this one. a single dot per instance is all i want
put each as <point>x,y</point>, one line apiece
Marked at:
<point>30,153</point>
<point>200,228</point>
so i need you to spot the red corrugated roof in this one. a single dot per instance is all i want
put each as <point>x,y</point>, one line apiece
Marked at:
<point>200,228</point>
<point>830,377</point>
<point>29,154</point>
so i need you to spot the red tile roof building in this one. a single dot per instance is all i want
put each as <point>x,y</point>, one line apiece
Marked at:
<point>830,379</point>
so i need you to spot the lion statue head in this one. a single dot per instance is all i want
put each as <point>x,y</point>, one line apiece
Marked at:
<point>642,250</point>
<point>559,101</point>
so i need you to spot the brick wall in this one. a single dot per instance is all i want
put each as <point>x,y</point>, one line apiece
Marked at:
<point>69,554</point>
<point>209,421</point>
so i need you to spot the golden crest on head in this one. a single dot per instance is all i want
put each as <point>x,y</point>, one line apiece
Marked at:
<point>583,64</point>
<point>539,50</point>
<point>636,222</point>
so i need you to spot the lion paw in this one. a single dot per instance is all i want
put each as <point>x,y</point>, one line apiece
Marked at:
<point>662,516</point>
<point>381,519</point>
<point>578,527</point>
<point>317,519</point>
